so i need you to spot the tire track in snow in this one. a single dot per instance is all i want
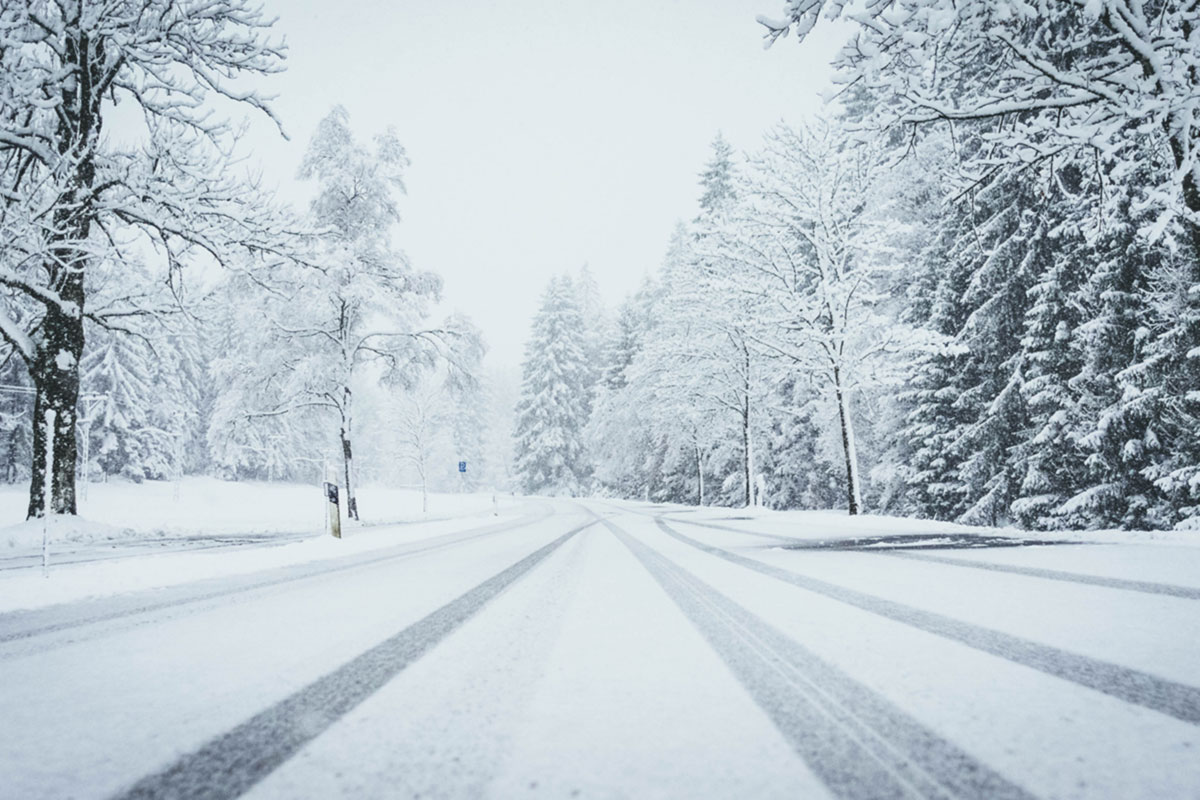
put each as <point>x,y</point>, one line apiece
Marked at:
<point>774,537</point>
<point>859,744</point>
<point>231,764</point>
<point>143,550</point>
<point>17,625</point>
<point>1177,700</point>
<point>1146,587</point>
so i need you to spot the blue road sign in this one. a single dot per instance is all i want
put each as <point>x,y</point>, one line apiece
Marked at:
<point>462,466</point>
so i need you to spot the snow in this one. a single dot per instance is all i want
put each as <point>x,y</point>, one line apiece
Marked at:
<point>1056,738</point>
<point>822,525</point>
<point>160,692</point>
<point>238,528</point>
<point>581,679</point>
<point>199,506</point>
<point>15,334</point>
<point>585,678</point>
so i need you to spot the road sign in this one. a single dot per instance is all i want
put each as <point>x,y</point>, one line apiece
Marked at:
<point>331,493</point>
<point>462,466</point>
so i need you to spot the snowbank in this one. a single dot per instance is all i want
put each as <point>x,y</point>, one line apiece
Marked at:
<point>68,582</point>
<point>816,525</point>
<point>207,507</point>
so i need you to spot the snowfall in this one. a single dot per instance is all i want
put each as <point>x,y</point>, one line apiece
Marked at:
<point>209,639</point>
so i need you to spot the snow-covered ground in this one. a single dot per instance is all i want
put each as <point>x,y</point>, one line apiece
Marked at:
<point>837,524</point>
<point>205,528</point>
<point>198,506</point>
<point>597,649</point>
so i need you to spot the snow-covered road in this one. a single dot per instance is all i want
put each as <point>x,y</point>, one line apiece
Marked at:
<point>621,650</point>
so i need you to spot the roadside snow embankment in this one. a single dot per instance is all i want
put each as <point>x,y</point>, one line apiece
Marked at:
<point>832,525</point>
<point>199,507</point>
<point>65,583</point>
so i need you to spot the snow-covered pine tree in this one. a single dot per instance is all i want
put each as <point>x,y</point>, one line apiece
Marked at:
<point>552,411</point>
<point>933,416</point>
<point>1172,368</point>
<point>619,435</point>
<point>801,475</point>
<point>1092,80</point>
<point>1049,460</point>
<point>596,326</point>
<point>193,394</point>
<point>14,420</point>
<point>717,179</point>
<point>141,407</point>
<point>1118,431</point>
<point>1004,257</point>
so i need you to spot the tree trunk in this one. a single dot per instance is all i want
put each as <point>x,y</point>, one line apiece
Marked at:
<point>745,460</point>
<point>54,366</point>
<point>853,491</point>
<point>699,477</point>
<point>424,492</point>
<point>55,374</point>
<point>747,433</point>
<point>348,455</point>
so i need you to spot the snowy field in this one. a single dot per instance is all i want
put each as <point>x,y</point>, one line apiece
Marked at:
<point>597,649</point>
<point>202,528</point>
<point>207,506</point>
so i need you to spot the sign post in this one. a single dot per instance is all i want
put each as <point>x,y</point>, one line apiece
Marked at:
<point>331,497</point>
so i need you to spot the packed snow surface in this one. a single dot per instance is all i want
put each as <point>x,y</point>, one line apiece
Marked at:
<point>203,528</point>
<point>598,649</point>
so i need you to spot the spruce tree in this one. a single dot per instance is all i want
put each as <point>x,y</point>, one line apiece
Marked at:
<point>717,179</point>
<point>933,416</point>
<point>1118,431</point>
<point>1049,460</point>
<point>552,412</point>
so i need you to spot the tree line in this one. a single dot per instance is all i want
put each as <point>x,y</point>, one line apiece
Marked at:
<point>971,293</point>
<point>156,302</point>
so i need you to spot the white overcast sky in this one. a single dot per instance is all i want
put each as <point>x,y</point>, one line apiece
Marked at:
<point>543,134</point>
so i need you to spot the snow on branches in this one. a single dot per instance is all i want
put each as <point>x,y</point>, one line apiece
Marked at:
<point>1026,82</point>
<point>80,209</point>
